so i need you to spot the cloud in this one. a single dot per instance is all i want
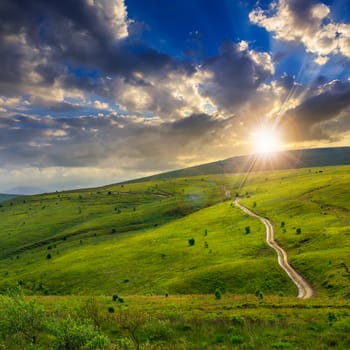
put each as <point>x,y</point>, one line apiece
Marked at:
<point>324,114</point>
<point>48,43</point>
<point>308,22</point>
<point>232,78</point>
<point>131,142</point>
<point>100,105</point>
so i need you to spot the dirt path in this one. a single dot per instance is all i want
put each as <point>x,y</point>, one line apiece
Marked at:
<point>305,290</point>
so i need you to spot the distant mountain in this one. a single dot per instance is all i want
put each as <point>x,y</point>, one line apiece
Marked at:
<point>5,197</point>
<point>25,190</point>
<point>257,162</point>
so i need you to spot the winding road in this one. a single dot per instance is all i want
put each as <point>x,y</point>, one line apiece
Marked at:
<point>305,290</point>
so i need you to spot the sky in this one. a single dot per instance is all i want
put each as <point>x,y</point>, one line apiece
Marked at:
<point>94,92</point>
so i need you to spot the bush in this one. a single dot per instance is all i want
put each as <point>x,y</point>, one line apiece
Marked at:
<point>191,242</point>
<point>48,256</point>
<point>247,229</point>
<point>111,309</point>
<point>158,331</point>
<point>90,311</point>
<point>20,320</point>
<point>298,231</point>
<point>217,294</point>
<point>219,339</point>
<point>70,334</point>
<point>236,339</point>
<point>115,297</point>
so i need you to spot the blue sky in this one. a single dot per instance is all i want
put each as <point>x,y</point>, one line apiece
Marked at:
<point>97,91</point>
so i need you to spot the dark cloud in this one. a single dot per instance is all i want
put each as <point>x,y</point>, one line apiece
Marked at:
<point>48,37</point>
<point>87,141</point>
<point>310,120</point>
<point>235,75</point>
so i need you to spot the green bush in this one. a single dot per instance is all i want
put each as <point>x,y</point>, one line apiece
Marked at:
<point>191,242</point>
<point>70,334</point>
<point>21,320</point>
<point>217,294</point>
<point>236,340</point>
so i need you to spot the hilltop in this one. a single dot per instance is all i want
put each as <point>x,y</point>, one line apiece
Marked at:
<point>294,159</point>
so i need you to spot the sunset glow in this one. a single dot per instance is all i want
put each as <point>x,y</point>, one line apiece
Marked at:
<point>266,141</point>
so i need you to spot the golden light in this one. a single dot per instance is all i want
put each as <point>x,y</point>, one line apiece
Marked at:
<point>265,141</point>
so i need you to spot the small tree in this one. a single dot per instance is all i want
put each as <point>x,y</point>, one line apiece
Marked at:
<point>191,242</point>
<point>247,229</point>
<point>298,231</point>
<point>217,294</point>
<point>20,319</point>
<point>48,256</point>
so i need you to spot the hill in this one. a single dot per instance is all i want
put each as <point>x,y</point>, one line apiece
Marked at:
<point>135,238</point>
<point>5,197</point>
<point>294,159</point>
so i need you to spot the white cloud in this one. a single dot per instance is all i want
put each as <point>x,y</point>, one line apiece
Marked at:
<point>307,22</point>
<point>101,105</point>
<point>114,13</point>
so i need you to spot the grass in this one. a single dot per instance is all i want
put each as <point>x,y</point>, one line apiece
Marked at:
<point>314,206</point>
<point>134,238</point>
<point>199,321</point>
<point>133,241</point>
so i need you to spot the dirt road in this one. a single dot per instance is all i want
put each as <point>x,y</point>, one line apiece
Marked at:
<point>305,290</point>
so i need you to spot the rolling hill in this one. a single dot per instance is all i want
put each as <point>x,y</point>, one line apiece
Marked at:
<point>294,159</point>
<point>5,197</point>
<point>171,263</point>
<point>139,232</point>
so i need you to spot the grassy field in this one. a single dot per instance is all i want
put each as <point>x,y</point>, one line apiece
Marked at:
<point>310,210</point>
<point>187,269</point>
<point>134,238</point>
<point>97,253</point>
<point>176,322</point>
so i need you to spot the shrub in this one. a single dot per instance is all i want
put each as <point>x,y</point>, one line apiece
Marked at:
<point>298,231</point>
<point>20,319</point>
<point>236,339</point>
<point>247,229</point>
<point>115,297</point>
<point>48,256</point>
<point>191,242</point>
<point>217,294</point>
<point>159,330</point>
<point>111,309</point>
<point>90,311</point>
<point>219,339</point>
<point>72,334</point>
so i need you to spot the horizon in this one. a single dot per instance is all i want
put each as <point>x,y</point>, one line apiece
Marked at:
<point>27,191</point>
<point>105,91</point>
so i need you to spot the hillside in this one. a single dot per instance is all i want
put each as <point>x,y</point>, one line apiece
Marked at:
<point>294,159</point>
<point>134,238</point>
<point>5,197</point>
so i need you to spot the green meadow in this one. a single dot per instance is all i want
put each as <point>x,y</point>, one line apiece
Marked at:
<point>180,259</point>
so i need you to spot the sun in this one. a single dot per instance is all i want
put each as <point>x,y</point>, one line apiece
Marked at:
<point>265,141</point>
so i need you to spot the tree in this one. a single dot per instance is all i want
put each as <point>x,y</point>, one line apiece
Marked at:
<point>191,242</point>
<point>247,229</point>
<point>217,294</point>
<point>20,319</point>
